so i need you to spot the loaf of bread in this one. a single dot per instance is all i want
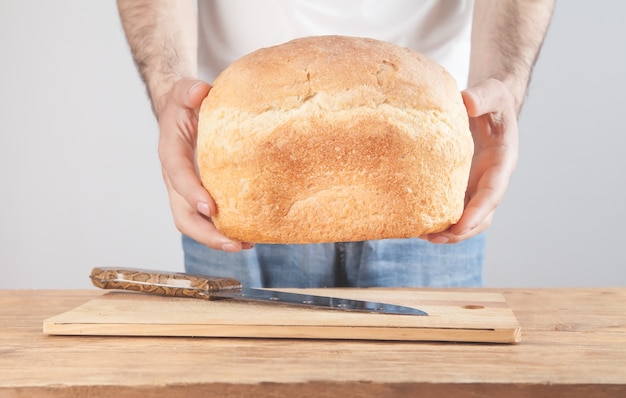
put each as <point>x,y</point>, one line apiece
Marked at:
<point>333,139</point>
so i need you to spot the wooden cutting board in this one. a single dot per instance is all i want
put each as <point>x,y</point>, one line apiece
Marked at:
<point>453,316</point>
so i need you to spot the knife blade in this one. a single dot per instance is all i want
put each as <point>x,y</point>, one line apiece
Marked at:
<point>178,284</point>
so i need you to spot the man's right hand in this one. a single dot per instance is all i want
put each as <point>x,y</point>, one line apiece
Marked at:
<point>192,206</point>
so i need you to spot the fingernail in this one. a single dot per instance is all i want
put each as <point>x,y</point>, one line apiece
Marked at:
<point>193,87</point>
<point>204,208</point>
<point>229,247</point>
<point>440,239</point>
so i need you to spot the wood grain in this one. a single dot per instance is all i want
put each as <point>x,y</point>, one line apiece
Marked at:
<point>453,316</point>
<point>574,345</point>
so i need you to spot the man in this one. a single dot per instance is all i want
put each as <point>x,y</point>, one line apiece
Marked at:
<point>176,56</point>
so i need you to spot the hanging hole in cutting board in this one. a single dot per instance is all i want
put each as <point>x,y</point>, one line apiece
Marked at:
<point>473,307</point>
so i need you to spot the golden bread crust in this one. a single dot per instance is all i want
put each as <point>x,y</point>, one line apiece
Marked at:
<point>327,139</point>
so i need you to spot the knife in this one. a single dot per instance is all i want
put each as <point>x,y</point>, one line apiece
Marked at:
<point>178,284</point>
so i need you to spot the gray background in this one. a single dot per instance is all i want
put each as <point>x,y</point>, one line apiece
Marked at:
<point>81,186</point>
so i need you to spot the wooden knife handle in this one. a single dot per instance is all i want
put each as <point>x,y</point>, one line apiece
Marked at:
<point>163,283</point>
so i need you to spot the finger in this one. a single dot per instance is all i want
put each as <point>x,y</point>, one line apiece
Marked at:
<point>178,125</point>
<point>449,237</point>
<point>179,171</point>
<point>200,228</point>
<point>492,180</point>
<point>180,175</point>
<point>190,92</point>
<point>479,209</point>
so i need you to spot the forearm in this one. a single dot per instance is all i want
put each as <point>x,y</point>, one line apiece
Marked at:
<point>506,38</point>
<point>163,40</point>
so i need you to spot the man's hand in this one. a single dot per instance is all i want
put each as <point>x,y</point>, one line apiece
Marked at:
<point>163,39</point>
<point>493,122</point>
<point>191,204</point>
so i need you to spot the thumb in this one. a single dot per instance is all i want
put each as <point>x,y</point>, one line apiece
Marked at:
<point>191,92</point>
<point>485,97</point>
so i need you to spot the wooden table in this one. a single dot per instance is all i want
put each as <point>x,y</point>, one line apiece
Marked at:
<point>573,344</point>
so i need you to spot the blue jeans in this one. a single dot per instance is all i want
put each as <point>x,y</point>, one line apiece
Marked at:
<point>384,263</point>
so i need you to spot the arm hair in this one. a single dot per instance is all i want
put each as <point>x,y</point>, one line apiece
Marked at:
<point>162,36</point>
<point>507,36</point>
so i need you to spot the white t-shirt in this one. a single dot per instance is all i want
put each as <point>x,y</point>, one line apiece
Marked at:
<point>229,29</point>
